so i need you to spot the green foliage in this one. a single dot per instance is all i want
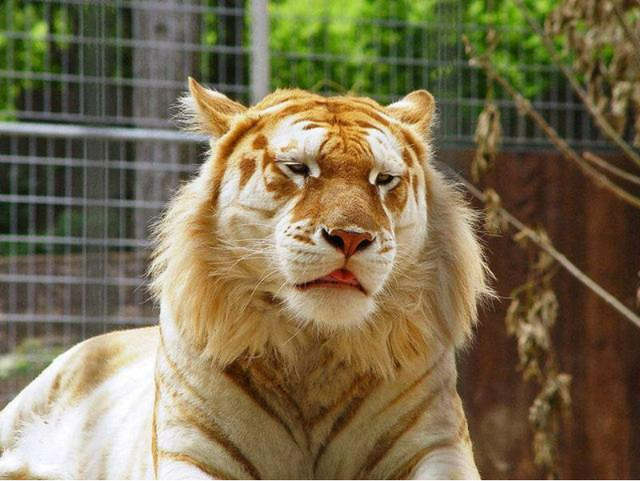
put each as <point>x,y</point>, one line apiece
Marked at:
<point>329,45</point>
<point>209,37</point>
<point>25,47</point>
<point>337,46</point>
<point>519,48</point>
<point>341,45</point>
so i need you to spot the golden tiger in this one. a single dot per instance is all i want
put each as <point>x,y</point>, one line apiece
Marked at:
<point>314,280</point>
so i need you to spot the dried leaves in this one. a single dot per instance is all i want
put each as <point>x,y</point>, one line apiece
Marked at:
<point>530,324</point>
<point>494,220</point>
<point>601,39</point>
<point>533,311</point>
<point>530,318</point>
<point>487,138</point>
<point>599,36</point>
<point>545,416</point>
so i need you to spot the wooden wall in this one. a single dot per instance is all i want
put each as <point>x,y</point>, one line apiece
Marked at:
<point>597,346</point>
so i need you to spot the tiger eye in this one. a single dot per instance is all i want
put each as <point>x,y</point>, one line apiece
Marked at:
<point>298,169</point>
<point>384,179</point>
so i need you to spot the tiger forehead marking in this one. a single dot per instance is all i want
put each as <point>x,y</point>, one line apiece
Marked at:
<point>344,144</point>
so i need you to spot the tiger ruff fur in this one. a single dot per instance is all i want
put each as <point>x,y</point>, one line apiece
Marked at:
<point>257,370</point>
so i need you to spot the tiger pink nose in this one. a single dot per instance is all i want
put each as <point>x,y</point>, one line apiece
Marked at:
<point>347,241</point>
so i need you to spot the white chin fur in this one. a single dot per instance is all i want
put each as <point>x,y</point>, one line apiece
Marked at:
<point>330,308</point>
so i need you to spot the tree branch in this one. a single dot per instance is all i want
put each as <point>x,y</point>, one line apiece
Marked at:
<point>560,258</point>
<point>604,165</point>
<point>599,119</point>
<point>631,35</point>
<point>525,106</point>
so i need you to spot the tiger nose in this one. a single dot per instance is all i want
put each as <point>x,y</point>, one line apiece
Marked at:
<point>348,242</point>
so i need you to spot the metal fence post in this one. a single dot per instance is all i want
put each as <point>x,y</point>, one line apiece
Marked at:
<point>260,59</point>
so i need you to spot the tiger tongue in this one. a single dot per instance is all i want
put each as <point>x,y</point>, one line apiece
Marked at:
<point>343,275</point>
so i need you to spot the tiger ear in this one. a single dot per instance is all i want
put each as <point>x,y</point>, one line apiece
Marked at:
<point>416,109</point>
<point>207,111</point>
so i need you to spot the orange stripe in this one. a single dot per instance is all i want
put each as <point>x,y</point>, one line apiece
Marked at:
<point>386,442</point>
<point>304,239</point>
<point>363,124</point>
<point>363,101</point>
<point>259,370</point>
<point>351,106</point>
<point>209,428</point>
<point>176,370</point>
<point>404,393</point>
<point>311,125</point>
<point>282,394</point>
<point>102,470</point>
<point>223,150</point>
<point>413,143</point>
<point>340,401</point>
<point>407,156</point>
<point>205,468</point>
<point>343,420</point>
<point>212,431</point>
<point>266,213</point>
<point>241,379</point>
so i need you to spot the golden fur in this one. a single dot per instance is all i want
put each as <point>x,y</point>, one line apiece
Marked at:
<point>436,297</point>
<point>257,375</point>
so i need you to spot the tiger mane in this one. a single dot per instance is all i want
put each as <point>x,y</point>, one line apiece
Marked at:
<point>222,312</point>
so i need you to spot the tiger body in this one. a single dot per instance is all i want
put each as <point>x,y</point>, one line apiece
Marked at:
<point>263,366</point>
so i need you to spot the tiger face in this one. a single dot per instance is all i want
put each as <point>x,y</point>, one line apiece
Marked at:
<point>332,197</point>
<point>320,216</point>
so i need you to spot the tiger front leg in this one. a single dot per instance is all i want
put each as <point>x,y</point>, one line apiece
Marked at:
<point>449,462</point>
<point>182,467</point>
<point>187,450</point>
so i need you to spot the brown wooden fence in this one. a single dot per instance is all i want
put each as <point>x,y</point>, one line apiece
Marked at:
<point>599,348</point>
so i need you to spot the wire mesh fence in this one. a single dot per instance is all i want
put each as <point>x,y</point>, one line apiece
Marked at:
<point>89,156</point>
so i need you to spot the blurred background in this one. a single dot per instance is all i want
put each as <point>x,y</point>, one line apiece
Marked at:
<point>89,155</point>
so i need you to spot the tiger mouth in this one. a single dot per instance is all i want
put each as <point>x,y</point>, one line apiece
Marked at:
<point>338,279</point>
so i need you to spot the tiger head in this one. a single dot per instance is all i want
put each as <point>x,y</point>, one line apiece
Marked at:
<point>315,212</point>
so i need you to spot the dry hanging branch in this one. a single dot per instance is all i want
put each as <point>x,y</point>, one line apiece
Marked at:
<point>487,138</point>
<point>533,310</point>
<point>631,35</point>
<point>612,169</point>
<point>609,96</point>
<point>564,20</point>
<point>494,222</point>
<point>560,258</point>
<point>531,316</point>
<point>545,415</point>
<point>488,128</point>
<point>525,106</point>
